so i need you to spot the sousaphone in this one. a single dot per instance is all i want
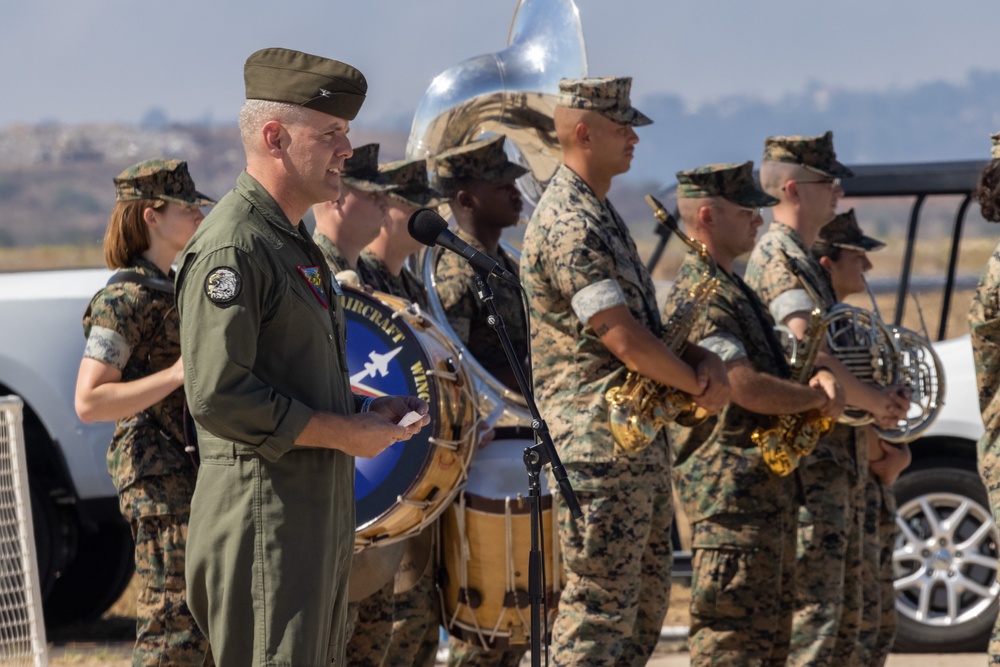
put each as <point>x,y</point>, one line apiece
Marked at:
<point>511,92</point>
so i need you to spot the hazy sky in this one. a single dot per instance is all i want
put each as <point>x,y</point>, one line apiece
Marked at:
<point>113,60</point>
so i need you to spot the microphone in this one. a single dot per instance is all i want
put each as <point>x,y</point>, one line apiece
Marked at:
<point>430,229</point>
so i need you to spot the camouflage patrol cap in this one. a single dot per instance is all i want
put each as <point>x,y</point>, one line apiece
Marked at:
<point>814,153</point>
<point>732,182</point>
<point>361,171</point>
<point>482,160</point>
<point>995,152</point>
<point>293,77</point>
<point>608,96</point>
<point>166,180</point>
<point>844,232</point>
<point>410,176</point>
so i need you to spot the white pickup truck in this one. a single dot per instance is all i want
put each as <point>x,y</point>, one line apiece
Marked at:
<point>84,547</point>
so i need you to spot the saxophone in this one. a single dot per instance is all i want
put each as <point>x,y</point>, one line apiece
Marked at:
<point>788,438</point>
<point>640,407</point>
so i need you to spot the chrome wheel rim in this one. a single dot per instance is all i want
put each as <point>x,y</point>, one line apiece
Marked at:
<point>945,559</point>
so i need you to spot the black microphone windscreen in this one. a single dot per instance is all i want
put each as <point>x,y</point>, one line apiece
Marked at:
<point>425,225</point>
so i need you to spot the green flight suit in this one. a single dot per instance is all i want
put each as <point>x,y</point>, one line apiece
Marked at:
<point>272,525</point>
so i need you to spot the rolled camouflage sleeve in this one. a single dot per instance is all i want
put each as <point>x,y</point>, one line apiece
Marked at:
<point>584,269</point>
<point>789,303</point>
<point>219,347</point>
<point>112,328</point>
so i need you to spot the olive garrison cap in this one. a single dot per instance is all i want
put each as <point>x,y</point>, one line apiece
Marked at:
<point>361,171</point>
<point>482,160</point>
<point>166,180</point>
<point>413,187</point>
<point>608,96</point>
<point>732,182</point>
<point>844,232</point>
<point>995,151</point>
<point>293,77</point>
<point>814,153</point>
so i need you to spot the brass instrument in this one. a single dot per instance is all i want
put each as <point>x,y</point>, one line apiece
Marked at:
<point>511,92</point>
<point>790,437</point>
<point>919,369</point>
<point>640,407</point>
<point>861,341</point>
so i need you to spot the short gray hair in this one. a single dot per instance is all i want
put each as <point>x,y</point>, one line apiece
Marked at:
<point>256,113</point>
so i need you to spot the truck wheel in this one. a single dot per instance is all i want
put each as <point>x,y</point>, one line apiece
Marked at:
<point>945,562</point>
<point>43,519</point>
<point>96,578</point>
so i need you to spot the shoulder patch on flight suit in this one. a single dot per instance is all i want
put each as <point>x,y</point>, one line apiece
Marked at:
<point>223,284</point>
<point>311,274</point>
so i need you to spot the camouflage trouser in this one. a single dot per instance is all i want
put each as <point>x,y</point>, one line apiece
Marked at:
<point>469,654</point>
<point>878,625</point>
<point>415,626</point>
<point>742,588</point>
<point>989,472</point>
<point>369,622</point>
<point>166,634</point>
<point>827,617</point>
<point>617,559</point>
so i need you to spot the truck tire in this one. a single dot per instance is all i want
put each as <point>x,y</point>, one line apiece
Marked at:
<point>96,577</point>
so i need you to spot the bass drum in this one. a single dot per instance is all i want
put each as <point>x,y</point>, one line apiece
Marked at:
<point>486,541</point>
<point>391,350</point>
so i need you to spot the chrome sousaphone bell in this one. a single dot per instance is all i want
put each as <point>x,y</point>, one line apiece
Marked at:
<point>511,92</point>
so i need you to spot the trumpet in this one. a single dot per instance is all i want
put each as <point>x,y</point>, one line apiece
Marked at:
<point>640,407</point>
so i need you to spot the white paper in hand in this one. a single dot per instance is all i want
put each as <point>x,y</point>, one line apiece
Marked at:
<point>409,418</point>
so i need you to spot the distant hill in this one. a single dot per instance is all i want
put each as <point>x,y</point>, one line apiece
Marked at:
<point>55,180</point>
<point>927,123</point>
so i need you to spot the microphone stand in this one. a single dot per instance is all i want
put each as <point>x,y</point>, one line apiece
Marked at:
<point>536,456</point>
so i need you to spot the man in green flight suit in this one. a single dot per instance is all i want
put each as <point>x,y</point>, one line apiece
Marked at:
<point>266,378</point>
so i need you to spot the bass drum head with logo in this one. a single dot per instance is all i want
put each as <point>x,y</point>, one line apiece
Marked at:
<point>409,483</point>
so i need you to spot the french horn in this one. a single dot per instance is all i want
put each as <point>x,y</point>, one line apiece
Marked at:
<point>919,369</point>
<point>861,341</point>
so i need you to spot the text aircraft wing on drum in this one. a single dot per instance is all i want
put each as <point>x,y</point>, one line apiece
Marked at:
<point>379,364</point>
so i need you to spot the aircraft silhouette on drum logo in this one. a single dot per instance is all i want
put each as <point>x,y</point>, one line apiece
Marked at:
<point>378,364</point>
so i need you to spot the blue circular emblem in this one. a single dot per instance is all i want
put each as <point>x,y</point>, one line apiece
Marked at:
<point>385,358</point>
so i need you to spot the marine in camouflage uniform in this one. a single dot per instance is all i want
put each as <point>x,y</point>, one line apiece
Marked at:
<point>828,597</point>
<point>877,628</point>
<point>368,620</point>
<point>374,273</point>
<point>984,324</point>
<point>346,226</point>
<point>579,260</point>
<point>743,515</point>
<point>479,179</point>
<point>132,325</point>
<point>413,632</point>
